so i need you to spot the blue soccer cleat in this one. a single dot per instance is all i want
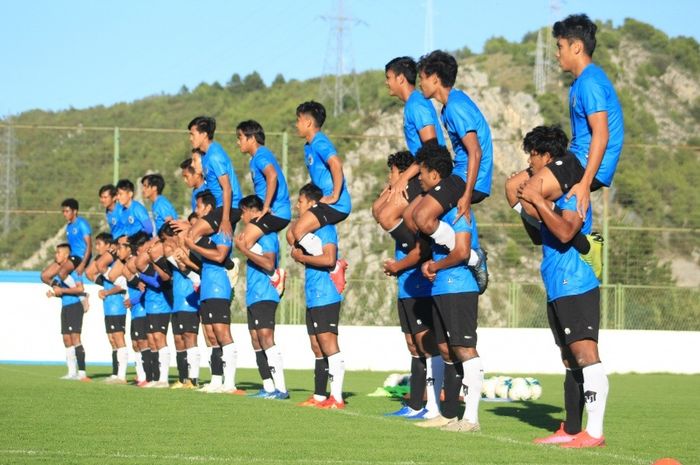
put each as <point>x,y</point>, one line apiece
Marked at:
<point>277,395</point>
<point>262,393</point>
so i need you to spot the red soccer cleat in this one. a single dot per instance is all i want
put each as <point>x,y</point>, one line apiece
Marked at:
<point>559,437</point>
<point>311,402</point>
<point>331,403</point>
<point>338,275</point>
<point>583,439</point>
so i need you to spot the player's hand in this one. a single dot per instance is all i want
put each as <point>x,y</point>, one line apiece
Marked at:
<point>464,205</point>
<point>180,225</point>
<point>50,293</point>
<point>101,294</point>
<point>530,193</point>
<point>225,229</point>
<point>127,303</point>
<point>583,198</point>
<point>390,267</point>
<point>297,254</point>
<point>80,269</point>
<point>239,241</point>
<point>398,192</point>
<point>263,212</point>
<point>57,291</point>
<point>427,271</point>
<point>328,199</point>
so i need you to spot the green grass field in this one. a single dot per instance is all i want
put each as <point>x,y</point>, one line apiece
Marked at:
<point>46,420</point>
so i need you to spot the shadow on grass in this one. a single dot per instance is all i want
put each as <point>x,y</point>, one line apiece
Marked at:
<point>545,416</point>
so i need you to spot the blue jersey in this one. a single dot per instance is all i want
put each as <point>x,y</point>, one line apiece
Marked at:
<point>216,163</point>
<point>136,298</point>
<point>215,283</point>
<point>75,233</point>
<point>280,206</point>
<point>162,208</point>
<point>114,221</point>
<point>460,115</point>
<point>113,305</point>
<point>563,271</point>
<point>592,92</point>
<point>317,153</point>
<point>258,284</point>
<point>69,299</point>
<point>318,286</point>
<point>154,299</point>
<point>419,112</point>
<point>196,191</point>
<point>185,299</point>
<point>135,219</point>
<point>411,282</point>
<point>457,278</point>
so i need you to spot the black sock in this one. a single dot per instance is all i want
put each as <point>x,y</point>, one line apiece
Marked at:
<point>404,237</point>
<point>146,360</point>
<point>580,243</point>
<point>418,370</point>
<point>217,364</point>
<point>573,400</point>
<point>321,376</point>
<point>155,365</point>
<point>263,367</point>
<point>452,385</point>
<point>164,265</point>
<point>80,355</point>
<point>115,363</point>
<point>181,359</point>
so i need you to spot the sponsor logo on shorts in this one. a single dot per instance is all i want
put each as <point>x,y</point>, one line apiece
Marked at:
<point>558,162</point>
<point>567,331</point>
<point>437,188</point>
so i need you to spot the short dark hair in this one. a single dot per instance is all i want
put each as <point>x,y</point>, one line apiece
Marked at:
<point>187,165</point>
<point>137,240</point>
<point>315,110</point>
<point>435,157</point>
<point>125,185</point>
<point>108,188</point>
<point>251,128</point>
<point>204,124</point>
<point>403,66</point>
<point>104,237</point>
<point>577,27</point>
<point>192,216</point>
<point>311,191</point>
<point>166,231</point>
<point>251,202</point>
<point>546,139</point>
<point>155,180</point>
<point>70,203</point>
<point>441,63</point>
<point>207,198</point>
<point>401,160</point>
<point>64,245</point>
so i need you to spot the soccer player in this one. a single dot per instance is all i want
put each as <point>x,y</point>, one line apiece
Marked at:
<point>597,131</point>
<point>322,307</point>
<point>455,304</point>
<point>420,125</point>
<point>573,296</point>
<point>108,199</point>
<point>134,216</point>
<point>261,300</point>
<point>163,211</point>
<point>415,307</point>
<point>71,316</point>
<point>470,135</point>
<point>193,179</point>
<point>215,300</point>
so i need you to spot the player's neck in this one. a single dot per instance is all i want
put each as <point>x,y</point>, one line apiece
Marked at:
<point>405,93</point>
<point>442,94</point>
<point>581,65</point>
<point>312,133</point>
<point>205,145</point>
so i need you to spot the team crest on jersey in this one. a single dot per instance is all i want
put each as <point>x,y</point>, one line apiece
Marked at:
<point>114,221</point>
<point>74,231</point>
<point>310,160</point>
<point>131,220</point>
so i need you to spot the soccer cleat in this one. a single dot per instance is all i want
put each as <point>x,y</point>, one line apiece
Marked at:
<point>278,279</point>
<point>143,383</point>
<point>212,388</point>
<point>188,384</point>
<point>594,257</point>
<point>277,395</point>
<point>422,414</point>
<point>583,440</point>
<point>85,379</point>
<point>160,385</point>
<point>558,437</point>
<point>436,422</point>
<point>404,411</point>
<point>461,426</point>
<point>233,391</point>
<point>311,402</point>
<point>177,385</point>
<point>331,403</point>
<point>233,272</point>
<point>338,275</point>
<point>480,270</point>
<point>69,377</point>
<point>261,393</point>
<point>114,380</point>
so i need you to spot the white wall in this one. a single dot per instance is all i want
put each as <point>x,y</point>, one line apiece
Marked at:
<point>30,332</point>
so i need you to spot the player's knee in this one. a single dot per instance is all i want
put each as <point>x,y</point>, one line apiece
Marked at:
<point>424,221</point>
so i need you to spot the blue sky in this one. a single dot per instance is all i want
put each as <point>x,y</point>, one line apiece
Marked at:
<point>81,53</point>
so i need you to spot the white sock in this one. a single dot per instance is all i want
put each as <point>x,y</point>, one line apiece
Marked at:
<point>229,357</point>
<point>216,381</point>
<point>595,392</point>
<point>268,385</point>
<point>164,363</point>
<point>140,372</point>
<point>69,281</point>
<point>518,208</point>
<point>121,282</point>
<point>172,261</point>
<point>195,278</point>
<point>193,360</point>
<point>122,362</point>
<point>106,274</point>
<point>82,374</point>
<point>395,226</point>
<point>71,361</point>
<point>434,374</point>
<point>473,258</point>
<point>471,384</point>
<point>312,244</point>
<point>444,235</point>
<point>257,249</point>
<point>274,360</point>
<point>336,374</point>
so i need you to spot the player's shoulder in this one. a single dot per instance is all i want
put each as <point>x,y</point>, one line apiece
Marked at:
<point>328,234</point>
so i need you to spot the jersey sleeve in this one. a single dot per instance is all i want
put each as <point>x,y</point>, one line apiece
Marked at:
<point>325,149</point>
<point>85,228</point>
<point>460,120</point>
<point>421,116</point>
<point>569,204</point>
<point>261,162</point>
<point>142,216</point>
<point>593,97</point>
<point>269,244</point>
<point>220,239</point>
<point>218,165</point>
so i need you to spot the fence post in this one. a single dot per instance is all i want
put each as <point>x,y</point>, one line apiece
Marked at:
<point>285,156</point>
<point>514,301</point>
<point>116,155</point>
<point>620,304</point>
<point>606,263</point>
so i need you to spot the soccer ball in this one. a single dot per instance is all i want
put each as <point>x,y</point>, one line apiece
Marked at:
<point>519,389</point>
<point>393,380</point>
<point>535,388</point>
<point>503,386</point>
<point>488,388</point>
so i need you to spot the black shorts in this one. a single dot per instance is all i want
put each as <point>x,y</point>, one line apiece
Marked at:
<point>72,318</point>
<point>185,322</point>
<point>115,324</point>
<point>323,319</point>
<point>214,217</point>
<point>454,318</point>
<point>262,315</point>
<point>413,189</point>
<point>327,214</point>
<point>139,329</point>
<point>158,322</point>
<point>448,191</point>
<point>415,314</point>
<point>568,172</point>
<point>270,223</point>
<point>215,311</point>
<point>574,318</point>
<point>76,261</point>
